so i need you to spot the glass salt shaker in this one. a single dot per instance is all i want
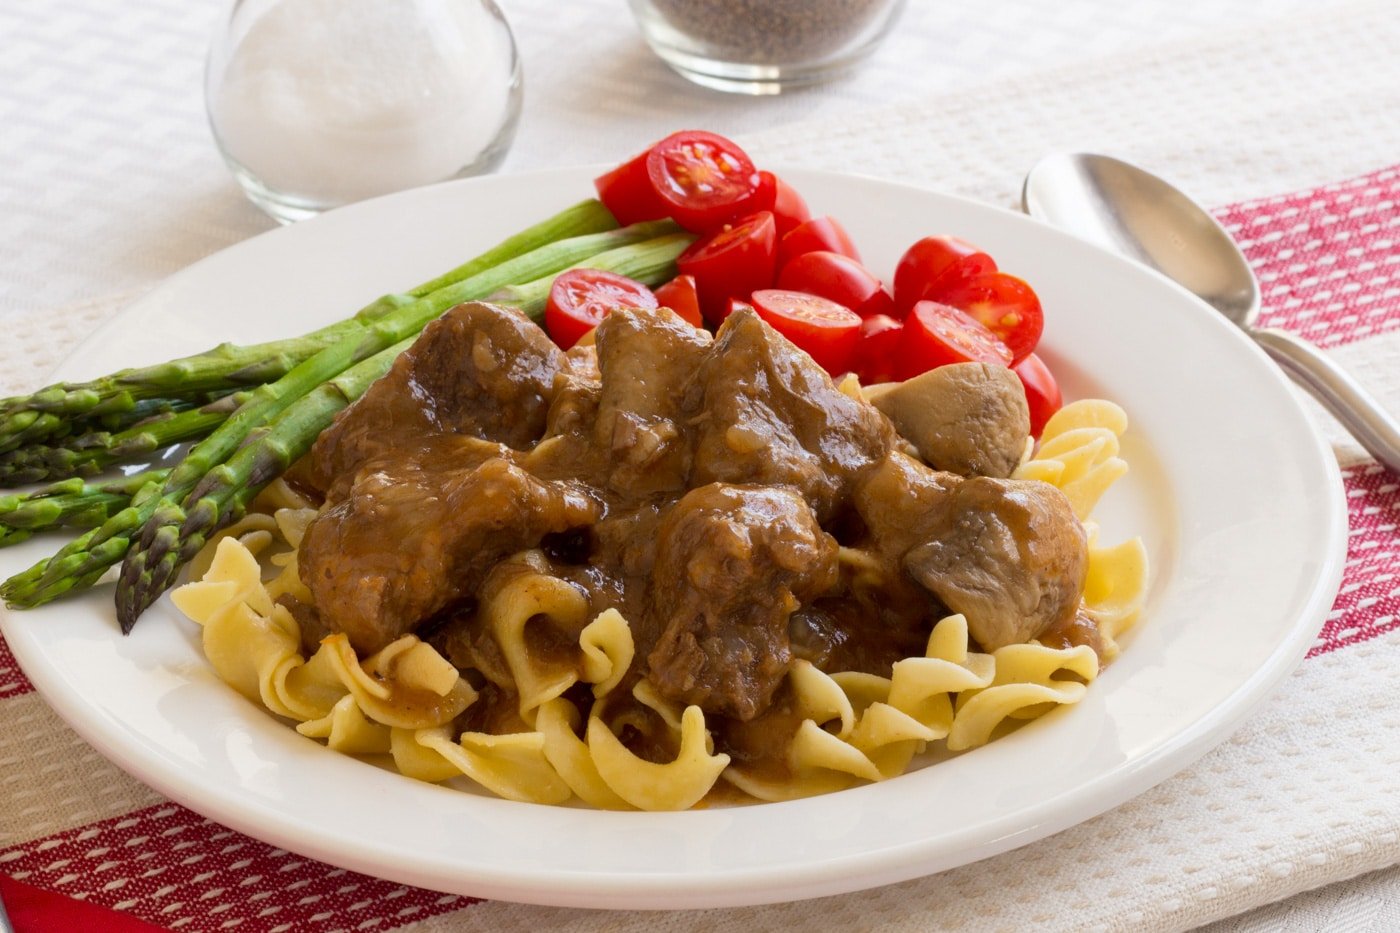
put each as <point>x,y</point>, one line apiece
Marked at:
<point>319,103</point>
<point>763,46</point>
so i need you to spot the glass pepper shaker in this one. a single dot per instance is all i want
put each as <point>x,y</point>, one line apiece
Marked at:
<point>763,46</point>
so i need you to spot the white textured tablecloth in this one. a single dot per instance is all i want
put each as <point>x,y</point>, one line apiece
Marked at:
<point>97,200</point>
<point>104,147</point>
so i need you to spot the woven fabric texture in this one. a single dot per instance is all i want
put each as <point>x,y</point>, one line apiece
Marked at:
<point>1289,129</point>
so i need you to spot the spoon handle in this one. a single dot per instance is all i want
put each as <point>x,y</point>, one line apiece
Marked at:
<point>1358,411</point>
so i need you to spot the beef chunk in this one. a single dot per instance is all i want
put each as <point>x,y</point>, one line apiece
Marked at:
<point>1007,554</point>
<point>843,634</point>
<point>967,418</point>
<point>577,388</point>
<point>766,413</point>
<point>479,370</point>
<point>645,358</point>
<point>899,501</point>
<point>733,563</point>
<point>409,538</point>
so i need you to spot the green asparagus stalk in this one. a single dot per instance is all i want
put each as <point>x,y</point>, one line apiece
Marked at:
<point>650,263</point>
<point>85,559</point>
<point>79,433</point>
<point>83,562</point>
<point>71,503</point>
<point>228,366</point>
<point>91,453</point>
<point>9,536</point>
<point>141,411</point>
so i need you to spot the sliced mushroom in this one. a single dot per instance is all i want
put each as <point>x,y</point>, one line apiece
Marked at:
<point>1007,554</point>
<point>967,418</point>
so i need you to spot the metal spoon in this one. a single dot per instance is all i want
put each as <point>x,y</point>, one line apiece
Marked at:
<point>1131,212</point>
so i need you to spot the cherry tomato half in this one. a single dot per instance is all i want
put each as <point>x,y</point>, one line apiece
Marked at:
<point>937,334</point>
<point>1006,305</point>
<point>789,209</point>
<point>878,354</point>
<point>703,179</point>
<point>827,332</point>
<point>580,298</point>
<point>1042,391</point>
<point>842,279</point>
<point>627,192</point>
<point>734,261</point>
<point>680,296</point>
<point>934,264</point>
<point>818,233</point>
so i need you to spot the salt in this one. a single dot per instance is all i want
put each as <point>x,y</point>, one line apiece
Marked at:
<point>324,102</point>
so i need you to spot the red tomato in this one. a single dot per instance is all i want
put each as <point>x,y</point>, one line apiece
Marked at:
<point>842,279</point>
<point>789,210</point>
<point>878,353</point>
<point>817,233</point>
<point>1006,305</point>
<point>763,197</point>
<point>680,296</point>
<point>933,264</point>
<point>1042,391</point>
<point>735,304</point>
<point>828,332</point>
<point>703,179</point>
<point>937,334</point>
<point>627,192</point>
<point>580,298</point>
<point>733,261</point>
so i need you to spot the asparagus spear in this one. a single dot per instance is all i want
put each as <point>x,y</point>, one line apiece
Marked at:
<point>650,263</point>
<point>9,536</point>
<point>71,503</point>
<point>22,418</point>
<point>91,453</point>
<point>176,532</point>
<point>84,560</point>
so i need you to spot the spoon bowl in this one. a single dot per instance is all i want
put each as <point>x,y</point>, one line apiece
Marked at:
<point>1132,212</point>
<point>1126,210</point>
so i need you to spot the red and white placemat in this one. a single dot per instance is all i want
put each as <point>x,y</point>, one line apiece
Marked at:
<point>1294,134</point>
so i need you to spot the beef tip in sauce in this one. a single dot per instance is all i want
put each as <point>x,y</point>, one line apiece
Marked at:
<point>733,563</point>
<point>765,413</point>
<point>1009,555</point>
<point>645,359</point>
<point>479,370</point>
<point>968,418</point>
<point>698,486</point>
<point>899,501</point>
<point>1078,629</point>
<point>848,633</point>
<point>409,538</point>
<point>577,387</point>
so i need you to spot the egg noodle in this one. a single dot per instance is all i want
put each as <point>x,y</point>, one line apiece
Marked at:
<point>848,727</point>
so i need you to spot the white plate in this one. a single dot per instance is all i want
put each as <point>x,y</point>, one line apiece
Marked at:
<point>1239,503</point>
